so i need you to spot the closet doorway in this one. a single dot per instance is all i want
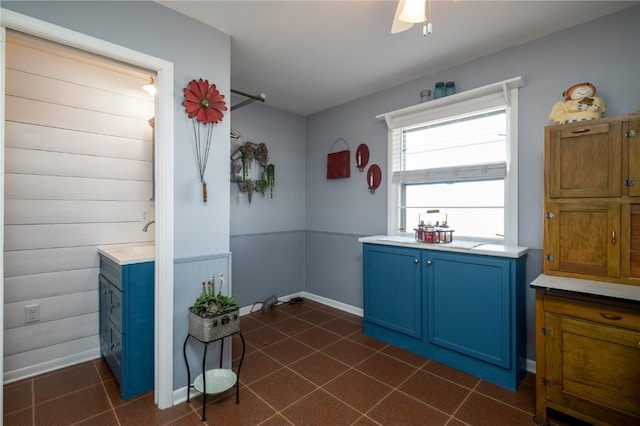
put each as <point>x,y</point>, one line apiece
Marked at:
<point>78,175</point>
<point>163,210</point>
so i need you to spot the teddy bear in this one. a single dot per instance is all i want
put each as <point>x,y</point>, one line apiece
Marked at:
<point>579,104</point>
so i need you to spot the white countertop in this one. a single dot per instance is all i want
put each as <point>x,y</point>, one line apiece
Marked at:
<point>126,254</point>
<point>600,288</point>
<point>472,247</point>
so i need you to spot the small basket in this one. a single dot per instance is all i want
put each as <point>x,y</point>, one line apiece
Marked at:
<point>208,329</point>
<point>432,235</point>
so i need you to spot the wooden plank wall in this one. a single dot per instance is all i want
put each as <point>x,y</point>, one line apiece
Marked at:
<point>78,174</point>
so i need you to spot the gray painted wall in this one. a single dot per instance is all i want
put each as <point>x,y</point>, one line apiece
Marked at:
<point>267,236</point>
<point>605,52</point>
<point>190,272</point>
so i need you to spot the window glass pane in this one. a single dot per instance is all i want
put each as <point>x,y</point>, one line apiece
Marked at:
<point>475,139</point>
<point>474,209</point>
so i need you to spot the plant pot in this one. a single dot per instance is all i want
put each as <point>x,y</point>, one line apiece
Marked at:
<point>208,329</point>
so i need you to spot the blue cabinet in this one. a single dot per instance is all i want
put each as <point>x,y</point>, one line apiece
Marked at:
<point>393,292</point>
<point>127,324</point>
<point>463,310</point>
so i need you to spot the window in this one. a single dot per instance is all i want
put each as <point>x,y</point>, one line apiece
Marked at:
<point>457,155</point>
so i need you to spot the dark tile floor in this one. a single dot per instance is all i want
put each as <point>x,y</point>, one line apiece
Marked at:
<point>305,364</point>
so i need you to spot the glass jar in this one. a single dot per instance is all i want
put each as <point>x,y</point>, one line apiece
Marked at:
<point>449,88</point>
<point>439,92</point>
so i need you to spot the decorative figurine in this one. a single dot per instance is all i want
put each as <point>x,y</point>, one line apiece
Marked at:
<point>579,104</point>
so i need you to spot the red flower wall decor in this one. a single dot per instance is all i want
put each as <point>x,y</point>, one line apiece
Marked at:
<point>205,106</point>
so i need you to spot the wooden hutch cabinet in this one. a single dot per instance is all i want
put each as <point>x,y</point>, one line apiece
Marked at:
<point>588,299</point>
<point>592,199</point>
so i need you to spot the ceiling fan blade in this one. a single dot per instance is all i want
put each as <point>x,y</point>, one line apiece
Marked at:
<point>399,26</point>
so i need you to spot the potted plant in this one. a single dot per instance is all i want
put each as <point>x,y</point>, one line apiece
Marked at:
<point>213,315</point>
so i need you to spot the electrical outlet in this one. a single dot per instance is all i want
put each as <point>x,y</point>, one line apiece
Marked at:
<point>31,313</point>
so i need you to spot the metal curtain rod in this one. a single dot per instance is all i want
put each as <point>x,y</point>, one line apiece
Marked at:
<point>252,98</point>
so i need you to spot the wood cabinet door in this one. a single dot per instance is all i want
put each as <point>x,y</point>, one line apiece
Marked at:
<point>583,238</point>
<point>634,241</point>
<point>393,289</point>
<point>632,133</point>
<point>584,160</point>
<point>593,369</point>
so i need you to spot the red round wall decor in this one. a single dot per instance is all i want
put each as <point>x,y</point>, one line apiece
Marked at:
<point>374,177</point>
<point>362,157</point>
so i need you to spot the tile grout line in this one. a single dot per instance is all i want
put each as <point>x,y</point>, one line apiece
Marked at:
<point>466,398</point>
<point>104,388</point>
<point>33,402</point>
<point>502,402</point>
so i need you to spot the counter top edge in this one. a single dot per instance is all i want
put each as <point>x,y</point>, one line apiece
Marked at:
<point>480,249</point>
<point>588,287</point>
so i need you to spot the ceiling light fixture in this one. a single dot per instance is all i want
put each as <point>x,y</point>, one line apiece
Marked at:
<point>410,12</point>
<point>150,88</point>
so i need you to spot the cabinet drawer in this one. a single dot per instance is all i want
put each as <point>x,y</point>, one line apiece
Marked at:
<point>105,303</point>
<point>115,308</point>
<point>115,354</point>
<point>111,271</point>
<point>619,315</point>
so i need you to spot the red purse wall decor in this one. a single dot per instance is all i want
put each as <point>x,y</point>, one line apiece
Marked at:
<point>338,163</point>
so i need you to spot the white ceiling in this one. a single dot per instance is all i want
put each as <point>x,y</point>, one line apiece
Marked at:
<point>307,56</point>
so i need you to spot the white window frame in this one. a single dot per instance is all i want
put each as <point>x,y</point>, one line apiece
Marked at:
<point>505,92</point>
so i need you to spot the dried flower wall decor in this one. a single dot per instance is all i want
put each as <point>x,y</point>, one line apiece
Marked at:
<point>241,161</point>
<point>205,106</point>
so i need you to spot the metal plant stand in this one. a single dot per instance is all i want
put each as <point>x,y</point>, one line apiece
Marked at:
<point>203,389</point>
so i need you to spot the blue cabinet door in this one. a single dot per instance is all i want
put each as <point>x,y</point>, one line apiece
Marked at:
<point>127,324</point>
<point>137,328</point>
<point>469,306</point>
<point>393,290</point>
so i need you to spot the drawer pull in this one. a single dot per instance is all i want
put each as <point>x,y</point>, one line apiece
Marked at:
<point>613,317</point>
<point>613,237</point>
<point>581,131</point>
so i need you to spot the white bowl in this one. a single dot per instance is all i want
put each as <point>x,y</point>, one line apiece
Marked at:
<point>218,380</point>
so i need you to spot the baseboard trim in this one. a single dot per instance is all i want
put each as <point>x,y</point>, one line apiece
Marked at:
<point>51,365</point>
<point>335,304</point>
